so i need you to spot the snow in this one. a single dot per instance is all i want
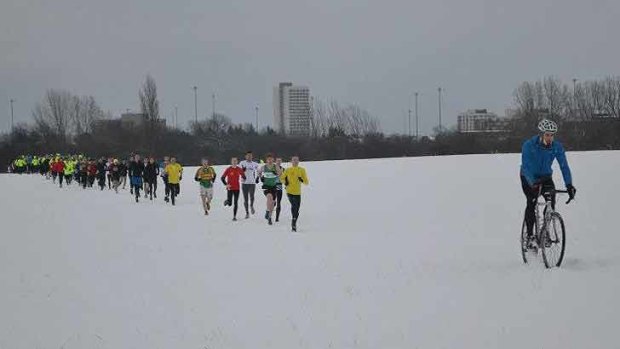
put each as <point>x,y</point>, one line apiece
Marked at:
<point>390,253</point>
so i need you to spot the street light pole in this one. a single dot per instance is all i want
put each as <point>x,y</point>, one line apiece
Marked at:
<point>417,129</point>
<point>176,116</point>
<point>12,129</point>
<point>574,95</point>
<point>439,102</point>
<point>196,103</point>
<point>213,105</point>
<point>409,117</point>
<point>256,109</point>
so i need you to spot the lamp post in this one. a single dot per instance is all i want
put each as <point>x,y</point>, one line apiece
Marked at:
<point>256,110</point>
<point>409,118</point>
<point>417,129</point>
<point>196,103</point>
<point>213,105</point>
<point>12,101</point>
<point>176,116</point>
<point>439,103</point>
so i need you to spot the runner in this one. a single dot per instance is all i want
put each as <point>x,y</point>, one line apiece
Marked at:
<point>101,173</point>
<point>92,173</point>
<point>278,198</point>
<point>57,170</point>
<point>205,176</point>
<point>230,178</point>
<point>45,168</point>
<point>136,170</point>
<point>174,170</point>
<point>269,174</point>
<point>250,168</point>
<point>293,177</point>
<point>151,171</point>
<point>164,178</point>
<point>53,165</point>
<point>122,170</point>
<point>68,171</point>
<point>83,173</point>
<point>35,164</point>
<point>108,168</point>
<point>115,172</point>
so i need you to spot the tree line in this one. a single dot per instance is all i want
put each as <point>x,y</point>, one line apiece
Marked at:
<point>588,113</point>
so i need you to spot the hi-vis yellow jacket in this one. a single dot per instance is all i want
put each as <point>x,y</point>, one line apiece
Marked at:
<point>291,179</point>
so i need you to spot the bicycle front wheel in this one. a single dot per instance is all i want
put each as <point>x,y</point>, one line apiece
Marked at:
<point>553,241</point>
<point>524,242</point>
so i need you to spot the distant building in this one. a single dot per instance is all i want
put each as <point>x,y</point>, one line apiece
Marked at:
<point>291,109</point>
<point>481,121</point>
<point>129,120</point>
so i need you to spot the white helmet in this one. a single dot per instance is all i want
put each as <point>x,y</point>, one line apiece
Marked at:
<point>547,126</point>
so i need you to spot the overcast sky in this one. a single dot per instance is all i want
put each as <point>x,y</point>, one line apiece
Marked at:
<point>371,53</point>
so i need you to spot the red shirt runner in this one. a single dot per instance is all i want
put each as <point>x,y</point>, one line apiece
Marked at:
<point>232,176</point>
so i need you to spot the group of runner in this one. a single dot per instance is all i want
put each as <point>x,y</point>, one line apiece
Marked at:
<point>142,176</point>
<point>243,178</point>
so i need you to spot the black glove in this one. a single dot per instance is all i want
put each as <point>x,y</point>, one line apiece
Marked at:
<point>571,192</point>
<point>258,179</point>
<point>301,180</point>
<point>197,179</point>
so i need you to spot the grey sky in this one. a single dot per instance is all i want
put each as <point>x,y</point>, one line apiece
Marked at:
<point>372,53</point>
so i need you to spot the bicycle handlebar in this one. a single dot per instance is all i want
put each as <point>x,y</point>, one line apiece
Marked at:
<point>556,191</point>
<point>565,192</point>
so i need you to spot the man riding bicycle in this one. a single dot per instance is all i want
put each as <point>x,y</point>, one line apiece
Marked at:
<point>537,156</point>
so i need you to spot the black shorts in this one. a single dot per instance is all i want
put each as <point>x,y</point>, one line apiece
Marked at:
<point>271,190</point>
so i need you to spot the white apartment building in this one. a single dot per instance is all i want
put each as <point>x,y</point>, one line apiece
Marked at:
<point>481,120</point>
<point>291,109</point>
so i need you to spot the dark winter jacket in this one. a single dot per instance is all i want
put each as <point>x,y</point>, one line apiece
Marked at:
<point>122,169</point>
<point>151,171</point>
<point>101,169</point>
<point>136,169</point>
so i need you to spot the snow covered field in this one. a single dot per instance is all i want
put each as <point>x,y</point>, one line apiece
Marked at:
<point>391,253</point>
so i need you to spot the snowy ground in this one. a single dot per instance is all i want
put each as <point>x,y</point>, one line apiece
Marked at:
<point>397,253</point>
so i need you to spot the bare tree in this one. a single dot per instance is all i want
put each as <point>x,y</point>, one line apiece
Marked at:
<point>351,120</point>
<point>91,113</point>
<point>53,116</point>
<point>149,106</point>
<point>611,96</point>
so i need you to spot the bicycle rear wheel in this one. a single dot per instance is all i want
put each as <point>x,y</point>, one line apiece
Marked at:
<point>553,241</point>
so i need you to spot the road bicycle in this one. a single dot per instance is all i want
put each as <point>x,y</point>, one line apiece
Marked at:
<point>549,234</point>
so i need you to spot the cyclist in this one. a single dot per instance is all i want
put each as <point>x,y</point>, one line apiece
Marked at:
<point>537,156</point>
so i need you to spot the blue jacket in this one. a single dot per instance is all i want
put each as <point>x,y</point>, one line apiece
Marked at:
<point>536,160</point>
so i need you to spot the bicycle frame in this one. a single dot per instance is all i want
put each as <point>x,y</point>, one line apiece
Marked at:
<point>543,219</point>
